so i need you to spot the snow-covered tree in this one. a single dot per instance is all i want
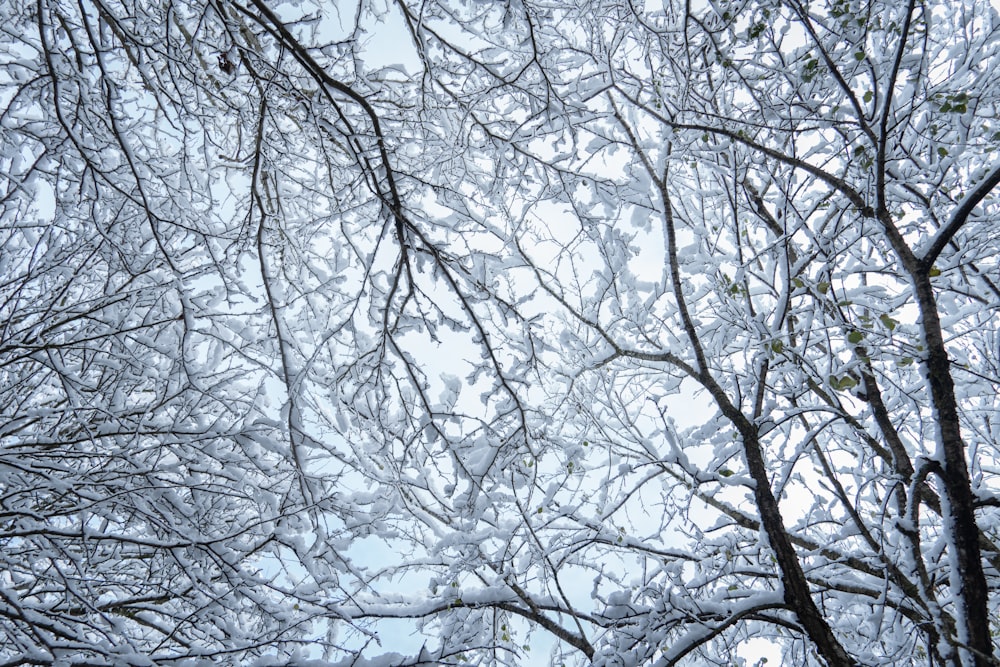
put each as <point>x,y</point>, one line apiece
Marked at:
<point>466,332</point>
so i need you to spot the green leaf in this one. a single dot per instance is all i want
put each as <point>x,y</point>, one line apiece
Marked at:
<point>823,287</point>
<point>869,96</point>
<point>725,472</point>
<point>934,272</point>
<point>842,383</point>
<point>942,151</point>
<point>889,323</point>
<point>777,346</point>
<point>855,337</point>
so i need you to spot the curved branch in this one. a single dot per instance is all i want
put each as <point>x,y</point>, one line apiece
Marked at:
<point>959,217</point>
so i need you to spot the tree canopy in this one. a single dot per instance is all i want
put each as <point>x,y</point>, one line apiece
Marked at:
<point>437,332</point>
